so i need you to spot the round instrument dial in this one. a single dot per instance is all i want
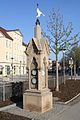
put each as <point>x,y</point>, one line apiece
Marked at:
<point>34,72</point>
<point>34,81</point>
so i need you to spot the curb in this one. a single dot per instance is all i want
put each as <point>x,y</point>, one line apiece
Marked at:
<point>71,99</point>
<point>7,107</point>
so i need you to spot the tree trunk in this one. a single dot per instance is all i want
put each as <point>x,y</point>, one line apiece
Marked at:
<point>63,67</point>
<point>57,81</point>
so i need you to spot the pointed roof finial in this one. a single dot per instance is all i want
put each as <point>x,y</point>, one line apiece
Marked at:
<point>37,5</point>
<point>37,22</point>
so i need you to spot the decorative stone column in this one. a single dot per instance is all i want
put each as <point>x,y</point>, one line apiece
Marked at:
<point>38,97</point>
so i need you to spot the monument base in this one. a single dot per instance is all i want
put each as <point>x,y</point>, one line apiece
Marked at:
<point>39,101</point>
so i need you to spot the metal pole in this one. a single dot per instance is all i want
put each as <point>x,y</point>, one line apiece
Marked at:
<point>74,71</point>
<point>71,68</point>
<point>12,68</point>
<point>3,91</point>
<point>2,73</point>
<point>74,64</point>
<point>71,72</point>
<point>64,67</point>
<point>20,68</point>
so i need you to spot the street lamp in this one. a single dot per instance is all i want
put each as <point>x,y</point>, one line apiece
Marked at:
<point>74,65</point>
<point>20,68</point>
<point>2,72</point>
<point>63,50</point>
<point>71,66</point>
<point>12,66</point>
<point>64,66</point>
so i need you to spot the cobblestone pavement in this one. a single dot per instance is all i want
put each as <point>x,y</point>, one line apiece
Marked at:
<point>57,108</point>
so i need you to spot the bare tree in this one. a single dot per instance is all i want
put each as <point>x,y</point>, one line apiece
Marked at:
<point>60,37</point>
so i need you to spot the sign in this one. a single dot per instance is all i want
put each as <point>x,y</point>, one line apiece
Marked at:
<point>71,61</point>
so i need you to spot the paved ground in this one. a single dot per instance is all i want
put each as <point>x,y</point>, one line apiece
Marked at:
<point>57,108</point>
<point>58,112</point>
<point>72,113</point>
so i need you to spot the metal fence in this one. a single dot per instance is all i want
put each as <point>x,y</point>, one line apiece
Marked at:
<point>16,89</point>
<point>5,91</point>
<point>8,90</point>
<point>52,81</point>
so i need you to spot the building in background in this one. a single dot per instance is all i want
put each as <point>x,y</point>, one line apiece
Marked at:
<point>13,60</point>
<point>52,66</point>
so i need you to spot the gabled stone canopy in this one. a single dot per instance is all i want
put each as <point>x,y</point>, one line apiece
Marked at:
<point>40,45</point>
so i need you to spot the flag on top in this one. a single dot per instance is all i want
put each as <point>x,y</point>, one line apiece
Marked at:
<point>39,13</point>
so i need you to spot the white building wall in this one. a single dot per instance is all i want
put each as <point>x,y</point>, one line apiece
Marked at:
<point>12,49</point>
<point>18,53</point>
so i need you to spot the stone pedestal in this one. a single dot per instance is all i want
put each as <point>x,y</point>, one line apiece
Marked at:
<point>39,101</point>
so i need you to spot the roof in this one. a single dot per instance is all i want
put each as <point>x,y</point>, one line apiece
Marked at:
<point>37,43</point>
<point>40,45</point>
<point>15,31</point>
<point>4,31</point>
<point>24,44</point>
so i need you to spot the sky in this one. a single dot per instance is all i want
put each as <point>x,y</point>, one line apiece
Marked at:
<point>21,14</point>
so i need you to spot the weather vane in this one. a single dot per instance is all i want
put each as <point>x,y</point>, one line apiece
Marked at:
<point>39,13</point>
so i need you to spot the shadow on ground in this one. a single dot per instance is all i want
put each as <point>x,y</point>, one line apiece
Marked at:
<point>18,100</point>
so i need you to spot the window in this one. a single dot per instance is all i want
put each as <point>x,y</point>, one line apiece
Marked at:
<point>6,55</point>
<point>7,43</point>
<point>10,44</point>
<point>14,69</point>
<point>7,69</point>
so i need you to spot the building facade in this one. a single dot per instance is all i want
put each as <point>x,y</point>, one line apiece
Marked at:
<point>13,60</point>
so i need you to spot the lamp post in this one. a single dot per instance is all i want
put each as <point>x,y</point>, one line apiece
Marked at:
<point>71,63</point>
<point>20,68</point>
<point>3,92</point>
<point>2,73</point>
<point>64,66</point>
<point>63,50</point>
<point>74,65</point>
<point>12,66</point>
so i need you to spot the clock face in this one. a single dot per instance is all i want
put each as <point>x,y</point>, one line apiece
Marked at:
<point>34,72</point>
<point>34,81</point>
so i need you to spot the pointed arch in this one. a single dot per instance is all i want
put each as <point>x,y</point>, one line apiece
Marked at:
<point>34,74</point>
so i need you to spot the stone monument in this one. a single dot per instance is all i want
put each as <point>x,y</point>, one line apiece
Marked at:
<point>38,97</point>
